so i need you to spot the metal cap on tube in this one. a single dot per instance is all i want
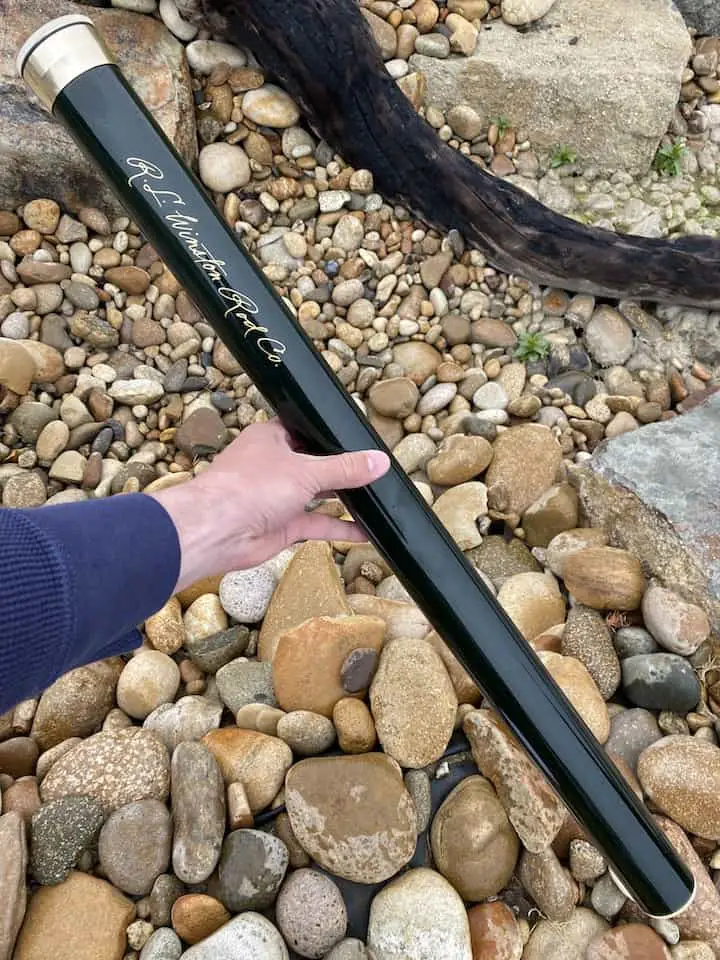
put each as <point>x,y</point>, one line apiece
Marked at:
<point>57,53</point>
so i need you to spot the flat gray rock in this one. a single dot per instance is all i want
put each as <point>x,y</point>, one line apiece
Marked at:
<point>703,15</point>
<point>598,76</point>
<point>657,494</point>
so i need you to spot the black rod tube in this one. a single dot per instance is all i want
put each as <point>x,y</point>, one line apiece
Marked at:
<point>176,215</point>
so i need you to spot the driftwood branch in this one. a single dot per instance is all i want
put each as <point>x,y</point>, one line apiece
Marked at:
<point>324,55</point>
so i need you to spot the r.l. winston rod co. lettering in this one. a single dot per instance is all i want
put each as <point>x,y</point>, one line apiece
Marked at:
<point>67,66</point>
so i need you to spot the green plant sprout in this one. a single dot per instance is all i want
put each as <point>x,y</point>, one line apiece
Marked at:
<point>562,156</point>
<point>531,347</point>
<point>502,124</point>
<point>667,159</point>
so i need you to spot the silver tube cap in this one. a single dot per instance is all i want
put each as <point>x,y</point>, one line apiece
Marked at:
<point>57,53</point>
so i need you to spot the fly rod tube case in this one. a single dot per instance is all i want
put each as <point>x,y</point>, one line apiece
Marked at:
<point>68,68</point>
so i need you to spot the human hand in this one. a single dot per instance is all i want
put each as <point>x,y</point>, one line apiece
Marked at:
<point>249,504</point>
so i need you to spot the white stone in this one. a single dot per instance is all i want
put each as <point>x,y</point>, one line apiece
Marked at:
<point>246,594</point>
<point>271,107</point>
<point>419,916</point>
<point>223,167</point>
<point>248,936</point>
<point>520,12</point>
<point>491,396</point>
<point>132,392</point>
<point>204,55</point>
<point>437,398</point>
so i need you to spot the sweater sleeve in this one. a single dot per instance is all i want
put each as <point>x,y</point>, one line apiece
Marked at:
<point>76,580</point>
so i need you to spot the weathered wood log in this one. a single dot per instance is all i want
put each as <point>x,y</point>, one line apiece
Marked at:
<point>323,54</point>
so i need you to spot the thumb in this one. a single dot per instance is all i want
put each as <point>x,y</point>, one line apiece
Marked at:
<point>346,471</point>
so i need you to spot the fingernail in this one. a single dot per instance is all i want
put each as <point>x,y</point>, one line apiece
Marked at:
<point>377,462</point>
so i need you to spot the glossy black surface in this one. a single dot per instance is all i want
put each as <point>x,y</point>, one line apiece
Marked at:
<point>118,134</point>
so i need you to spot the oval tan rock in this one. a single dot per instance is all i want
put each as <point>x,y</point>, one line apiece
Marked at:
<point>413,703</point>
<point>513,451</point>
<point>473,843</point>
<point>681,775</point>
<point>352,815</point>
<point>605,578</point>
<point>564,545</point>
<point>17,366</point>
<point>258,761</point>
<point>459,459</point>
<point>533,602</point>
<point>165,629</point>
<point>581,690</point>
<point>458,510</point>
<point>568,942</point>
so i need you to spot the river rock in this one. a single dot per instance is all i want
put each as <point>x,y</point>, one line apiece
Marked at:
<point>498,559</point>
<point>60,831</point>
<point>414,451</point>
<point>77,703</point>
<point>133,392</point>
<point>310,587</point>
<point>629,940</point>
<point>395,397</point>
<point>134,845</point>
<point>631,732</point>
<point>245,681</point>
<point>579,687</point>
<point>246,937</point>
<point>211,653</point>
<point>306,733</point>
<point>270,107</point>
<point>413,703</point>
<point>459,508</point>
<point>246,594</point>
<point>701,919</point>
<point>401,619</point>
<point>466,690</point>
<point>13,862</point>
<point>164,944</point>
<point>190,718</point>
<point>459,459</point>
<point>114,767</point>
<point>508,63</point>
<point>311,913</point>
<point>587,638</point>
<point>533,602</point>
<point>197,915</point>
<point>681,776</point>
<point>418,359</point>
<point>660,681</point>
<point>18,756</point>
<point>678,626</point>
<point>548,883</point>
<point>251,868</point>
<point>258,761</point>
<point>577,932</point>
<point>41,160</point>
<point>352,949</point>
<point>149,679</point>
<point>164,629</point>
<point>520,488</point>
<point>198,807</point>
<point>49,363</point>
<point>417,916</point>
<point>17,367</point>
<point>494,932</point>
<point>553,512</point>
<point>532,807</point>
<point>82,918</point>
<point>307,669</point>
<point>473,844</point>
<point>352,814</point>
<point>649,490</point>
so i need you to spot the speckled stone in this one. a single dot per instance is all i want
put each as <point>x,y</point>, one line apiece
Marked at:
<point>681,776</point>
<point>114,767</point>
<point>587,638</point>
<point>134,845</point>
<point>60,831</point>
<point>310,912</point>
<point>198,806</point>
<point>499,560</point>
<point>246,594</point>
<point>631,732</point>
<point>245,681</point>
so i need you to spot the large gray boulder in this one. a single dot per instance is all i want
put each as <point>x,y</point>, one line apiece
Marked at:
<point>37,157</point>
<point>656,492</point>
<point>703,15</point>
<point>599,76</point>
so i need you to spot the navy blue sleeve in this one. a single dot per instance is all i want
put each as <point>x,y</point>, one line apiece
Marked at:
<point>76,580</point>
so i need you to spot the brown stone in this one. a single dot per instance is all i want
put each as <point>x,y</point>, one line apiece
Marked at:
<point>18,756</point>
<point>532,807</point>
<point>396,397</point>
<point>413,703</point>
<point>587,638</point>
<point>165,629</point>
<point>198,589</point>
<point>82,918</point>
<point>605,578</point>
<point>577,932</point>
<point>459,459</point>
<point>553,512</point>
<point>632,941</point>
<point>13,863</point>
<point>494,932</point>
<point>202,433</point>
<point>353,815</point>
<point>418,359</point>
<point>310,587</point>
<point>258,761</point>
<point>354,725</point>
<point>512,486</point>
<point>466,690</point>
<point>196,915</point>
<point>17,366</point>
<point>308,661</point>
<point>533,602</point>
<point>548,883</point>
<point>564,545</point>
<point>473,843</point>
<point>132,280</point>
<point>492,333</point>
<point>579,687</point>
<point>23,798</point>
<point>77,703</point>
<point>49,364</point>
